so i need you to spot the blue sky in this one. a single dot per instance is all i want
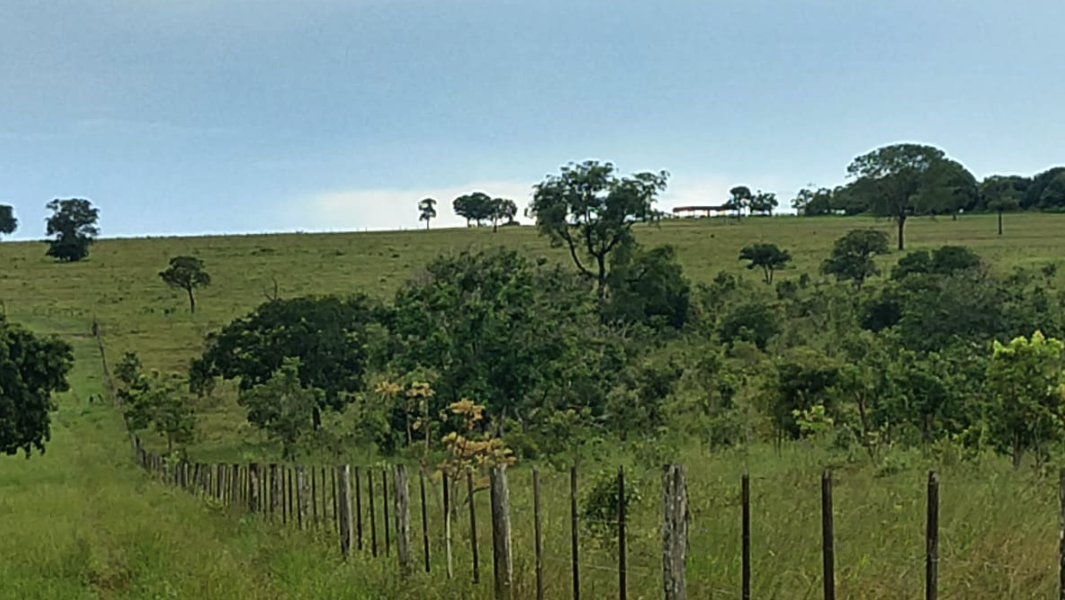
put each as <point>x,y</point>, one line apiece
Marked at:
<point>215,116</point>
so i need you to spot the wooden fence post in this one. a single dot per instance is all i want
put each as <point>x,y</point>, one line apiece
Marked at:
<point>384,508</point>
<point>473,526</point>
<point>234,489</point>
<point>314,498</point>
<point>1061,536</point>
<point>745,498</point>
<point>447,525</point>
<point>358,510</point>
<point>275,491</point>
<point>932,545</point>
<point>827,546</point>
<point>220,481</point>
<point>574,542</point>
<point>301,495</point>
<point>538,532</point>
<point>623,593</point>
<point>402,499</point>
<point>254,488</point>
<point>425,519</point>
<point>344,504</point>
<point>502,562</point>
<point>373,512</point>
<point>333,485</point>
<point>674,532</point>
<point>290,507</point>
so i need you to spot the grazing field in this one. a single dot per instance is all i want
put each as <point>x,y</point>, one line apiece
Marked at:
<point>83,521</point>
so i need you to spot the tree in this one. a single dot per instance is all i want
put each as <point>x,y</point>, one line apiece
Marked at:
<point>521,337</point>
<point>592,211</point>
<point>1027,396</point>
<point>904,179</point>
<point>852,256</point>
<point>32,368</point>
<point>282,406</point>
<point>157,402</point>
<point>764,203</point>
<point>503,208</point>
<point>73,223</point>
<point>648,287</point>
<point>331,337</point>
<point>475,206</point>
<point>427,207</point>
<point>8,222</point>
<point>1002,194</point>
<point>767,256</point>
<point>186,273</point>
<point>752,321</point>
<point>739,199</point>
<point>1046,190</point>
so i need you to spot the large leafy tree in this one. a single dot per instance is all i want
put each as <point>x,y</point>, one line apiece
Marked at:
<point>427,210</point>
<point>648,287</point>
<point>902,180</point>
<point>740,198</point>
<point>852,256</point>
<point>330,336</point>
<point>768,257</point>
<point>764,203</point>
<point>1026,406</point>
<point>503,209</point>
<point>1047,190</point>
<point>32,368</point>
<point>186,273</point>
<point>497,329</point>
<point>8,222</point>
<point>475,206</point>
<point>72,227</point>
<point>591,211</point>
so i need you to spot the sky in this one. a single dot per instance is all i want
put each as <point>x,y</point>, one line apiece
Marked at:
<point>180,117</point>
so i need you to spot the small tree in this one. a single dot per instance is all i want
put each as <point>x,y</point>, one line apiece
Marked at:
<point>8,222</point>
<point>155,402</point>
<point>186,273</point>
<point>1027,401</point>
<point>767,256</point>
<point>31,369</point>
<point>739,199</point>
<point>592,211</point>
<point>282,406</point>
<point>764,203</point>
<point>73,225</point>
<point>427,207</point>
<point>503,209</point>
<point>852,256</point>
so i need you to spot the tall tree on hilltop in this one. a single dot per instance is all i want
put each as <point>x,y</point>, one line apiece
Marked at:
<point>73,225</point>
<point>427,207</point>
<point>8,222</point>
<point>591,210</point>
<point>503,209</point>
<point>739,199</point>
<point>475,206</point>
<point>902,180</point>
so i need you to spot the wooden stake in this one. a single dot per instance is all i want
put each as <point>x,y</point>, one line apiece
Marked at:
<point>402,499</point>
<point>502,562</point>
<point>932,541</point>
<point>425,519</point>
<point>827,546</point>
<point>344,503</point>
<point>745,493</point>
<point>574,545</point>
<point>473,526</point>
<point>538,532</point>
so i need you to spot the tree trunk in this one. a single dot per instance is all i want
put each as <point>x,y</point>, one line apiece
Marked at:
<point>192,300</point>
<point>1000,222</point>
<point>902,224</point>
<point>427,224</point>
<point>600,290</point>
<point>316,418</point>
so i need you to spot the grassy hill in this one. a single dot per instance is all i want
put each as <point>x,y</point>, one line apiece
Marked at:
<point>83,522</point>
